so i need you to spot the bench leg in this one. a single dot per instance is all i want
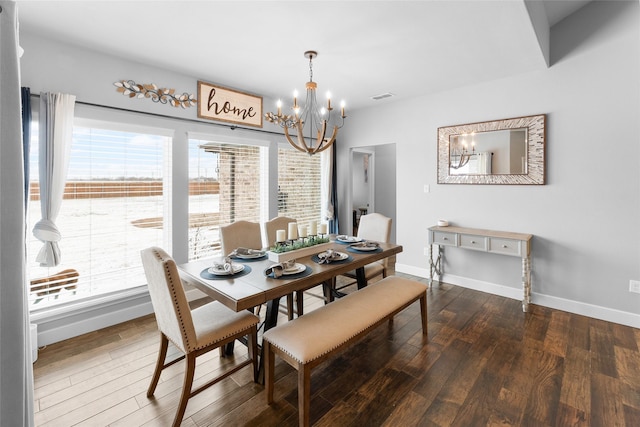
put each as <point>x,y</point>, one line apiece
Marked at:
<point>304,394</point>
<point>423,313</point>
<point>268,365</point>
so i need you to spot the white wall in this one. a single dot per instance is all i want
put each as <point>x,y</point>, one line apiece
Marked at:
<point>585,219</point>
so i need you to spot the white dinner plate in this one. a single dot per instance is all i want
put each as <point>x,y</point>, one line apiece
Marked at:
<point>218,271</point>
<point>338,256</point>
<point>348,239</point>
<point>364,248</point>
<point>250,256</point>
<point>298,268</point>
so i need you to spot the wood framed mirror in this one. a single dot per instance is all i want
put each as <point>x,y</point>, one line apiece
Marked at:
<point>508,151</point>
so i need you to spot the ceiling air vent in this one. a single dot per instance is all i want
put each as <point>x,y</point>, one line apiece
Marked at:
<point>382,96</point>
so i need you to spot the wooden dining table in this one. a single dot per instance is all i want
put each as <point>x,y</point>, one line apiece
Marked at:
<point>245,291</point>
<point>255,288</point>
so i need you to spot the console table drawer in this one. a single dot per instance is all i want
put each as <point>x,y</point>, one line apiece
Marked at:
<point>505,246</point>
<point>441,238</point>
<point>478,243</point>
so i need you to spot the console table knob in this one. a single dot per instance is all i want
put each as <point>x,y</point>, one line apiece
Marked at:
<point>473,242</point>
<point>505,246</point>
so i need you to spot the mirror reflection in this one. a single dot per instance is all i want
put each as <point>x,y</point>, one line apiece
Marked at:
<point>507,151</point>
<point>500,152</point>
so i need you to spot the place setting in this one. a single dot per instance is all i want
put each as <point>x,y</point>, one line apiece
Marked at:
<point>347,240</point>
<point>248,255</point>
<point>287,270</point>
<point>365,246</point>
<point>225,268</point>
<point>331,257</point>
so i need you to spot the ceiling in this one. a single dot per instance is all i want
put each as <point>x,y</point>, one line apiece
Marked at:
<point>366,48</point>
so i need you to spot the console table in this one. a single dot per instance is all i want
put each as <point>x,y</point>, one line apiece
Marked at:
<point>495,242</point>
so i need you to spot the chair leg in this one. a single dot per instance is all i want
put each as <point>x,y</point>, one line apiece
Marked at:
<point>290,306</point>
<point>329,288</point>
<point>268,365</point>
<point>162,354</point>
<point>189,371</point>
<point>252,345</point>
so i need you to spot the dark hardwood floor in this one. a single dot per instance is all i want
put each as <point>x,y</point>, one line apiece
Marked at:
<point>485,362</point>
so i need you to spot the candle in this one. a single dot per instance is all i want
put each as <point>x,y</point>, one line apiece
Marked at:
<point>342,109</point>
<point>302,231</point>
<point>329,101</point>
<point>295,99</point>
<point>293,231</point>
<point>313,228</point>
<point>323,228</point>
<point>281,236</point>
<point>279,107</point>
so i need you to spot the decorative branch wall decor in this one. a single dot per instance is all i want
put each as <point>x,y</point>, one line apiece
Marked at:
<point>161,95</point>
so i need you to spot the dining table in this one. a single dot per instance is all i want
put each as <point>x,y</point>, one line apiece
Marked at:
<point>252,287</point>
<point>245,291</point>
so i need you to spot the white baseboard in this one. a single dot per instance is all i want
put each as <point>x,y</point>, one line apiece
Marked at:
<point>576,307</point>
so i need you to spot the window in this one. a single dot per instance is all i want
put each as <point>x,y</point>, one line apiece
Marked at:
<point>299,185</point>
<point>225,185</point>
<point>115,204</point>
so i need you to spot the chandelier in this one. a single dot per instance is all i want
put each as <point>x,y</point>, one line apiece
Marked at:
<point>459,155</point>
<point>310,117</point>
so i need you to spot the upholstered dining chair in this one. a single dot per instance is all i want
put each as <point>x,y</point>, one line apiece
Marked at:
<point>193,332</point>
<point>375,227</point>
<point>245,234</point>
<point>270,229</point>
<point>273,225</point>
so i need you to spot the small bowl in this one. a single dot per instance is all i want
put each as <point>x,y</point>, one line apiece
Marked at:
<point>443,223</point>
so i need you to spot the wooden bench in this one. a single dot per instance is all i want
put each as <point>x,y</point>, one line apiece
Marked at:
<point>310,339</point>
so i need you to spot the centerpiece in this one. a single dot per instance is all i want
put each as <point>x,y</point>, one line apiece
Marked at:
<point>299,244</point>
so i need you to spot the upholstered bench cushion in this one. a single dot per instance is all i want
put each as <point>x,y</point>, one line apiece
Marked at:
<point>327,328</point>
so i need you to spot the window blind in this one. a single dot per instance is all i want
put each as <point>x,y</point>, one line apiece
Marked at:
<point>299,185</point>
<point>114,205</point>
<point>225,185</point>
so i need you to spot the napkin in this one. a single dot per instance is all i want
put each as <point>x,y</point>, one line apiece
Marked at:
<point>328,256</point>
<point>223,264</point>
<point>278,269</point>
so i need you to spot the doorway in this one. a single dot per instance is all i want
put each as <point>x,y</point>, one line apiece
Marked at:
<point>362,185</point>
<point>378,193</point>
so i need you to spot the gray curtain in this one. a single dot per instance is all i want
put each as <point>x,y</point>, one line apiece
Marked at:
<point>16,369</point>
<point>26,139</point>
<point>334,226</point>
